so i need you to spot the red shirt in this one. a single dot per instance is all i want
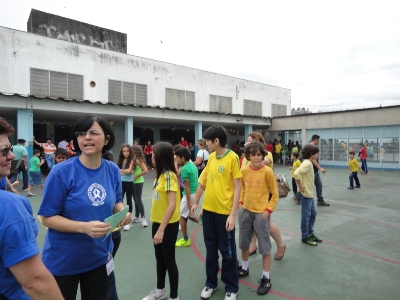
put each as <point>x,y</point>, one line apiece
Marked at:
<point>270,148</point>
<point>148,149</point>
<point>184,143</point>
<point>363,153</point>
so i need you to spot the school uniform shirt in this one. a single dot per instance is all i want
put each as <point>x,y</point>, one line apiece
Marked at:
<point>168,181</point>
<point>353,165</point>
<point>256,187</point>
<point>190,172</point>
<point>305,174</point>
<point>296,164</point>
<point>218,178</point>
<point>18,231</point>
<point>80,194</point>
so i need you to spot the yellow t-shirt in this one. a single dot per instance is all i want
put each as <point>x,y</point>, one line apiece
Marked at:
<point>353,165</point>
<point>166,182</point>
<point>296,164</point>
<point>218,178</point>
<point>278,148</point>
<point>306,175</point>
<point>256,186</point>
<point>246,162</point>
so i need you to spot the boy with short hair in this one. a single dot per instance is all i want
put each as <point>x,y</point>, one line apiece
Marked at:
<point>304,176</point>
<point>353,170</point>
<point>221,180</point>
<point>35,175</point>
<point>258,199</point>
<point>60,155</point>
<point>296,164</point>
<point>189,175</point>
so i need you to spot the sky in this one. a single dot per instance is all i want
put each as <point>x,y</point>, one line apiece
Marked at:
<point>332,55</point>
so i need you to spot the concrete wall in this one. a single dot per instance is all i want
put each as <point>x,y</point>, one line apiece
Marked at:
<point>21,51</point>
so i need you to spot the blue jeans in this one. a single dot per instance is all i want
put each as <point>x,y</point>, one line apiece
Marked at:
<point>354,175</point>
<point>318,186</point>
<point>49,160</point>
<point>308,215</point>
<point>364,166</point>
<point>217,238</point>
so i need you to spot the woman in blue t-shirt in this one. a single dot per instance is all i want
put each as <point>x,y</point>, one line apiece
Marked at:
<point>78,196</point>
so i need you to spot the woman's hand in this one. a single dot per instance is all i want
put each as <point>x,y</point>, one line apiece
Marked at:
<point>127,220</point>
<point>96,229</point>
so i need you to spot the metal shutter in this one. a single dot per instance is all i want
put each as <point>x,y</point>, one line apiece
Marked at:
<point>40,82</point>
<point>141,94</point>
<point>190,101</point>
<point>58,85</point>
<point>252,108</point>
<point>75,87</point>
<point>213,103</point>
<point>128,93</point>
<point>114,91</point>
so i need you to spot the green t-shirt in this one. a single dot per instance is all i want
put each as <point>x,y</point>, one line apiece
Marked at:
<point>189,172</point>
<point>34,161</point>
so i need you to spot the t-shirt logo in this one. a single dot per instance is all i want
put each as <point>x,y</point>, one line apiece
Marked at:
<point>221,169</point>
<point>97,194</point>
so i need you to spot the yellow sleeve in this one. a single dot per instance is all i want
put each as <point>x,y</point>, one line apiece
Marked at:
<point>273,188</point>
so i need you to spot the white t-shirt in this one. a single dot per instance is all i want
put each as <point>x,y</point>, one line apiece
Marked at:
<point>203,154</point>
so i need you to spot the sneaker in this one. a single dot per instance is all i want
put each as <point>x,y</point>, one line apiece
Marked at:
<point>136,220</point>
<point>177,298</point>
<point>358,186</point>
<point>30,194</point>
<point>144,223</point>
<point>315,238</point>
<point>265,286</point>
<point>243,273</point>
<point>156,295</point>
<point>127,227</point>
<point>323,203</point>
<point>182,243</point>
<point>24,190</point>
<point>206,292</point>
<point>308,240</point>
<point>351,188</point>
<point>230,296</point>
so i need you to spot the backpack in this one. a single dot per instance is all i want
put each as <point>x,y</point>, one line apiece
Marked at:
<point>283,185</point>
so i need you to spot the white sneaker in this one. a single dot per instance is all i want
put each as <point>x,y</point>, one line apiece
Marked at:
<point>230,296</point>
<point>30,194</point>
<point>144,223</point>
<point>206,292</point>
<point>136,220</point>
<point>127,227</point>
<point>156,295</point>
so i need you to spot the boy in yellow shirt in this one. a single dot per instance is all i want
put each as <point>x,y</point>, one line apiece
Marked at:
<point>304,176</point>
<point>296,164</point>
<point>255,207</point>
<point>353,170</point>
<point>221,180</point>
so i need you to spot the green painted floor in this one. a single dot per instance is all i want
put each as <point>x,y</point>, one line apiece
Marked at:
<point>358,259</point>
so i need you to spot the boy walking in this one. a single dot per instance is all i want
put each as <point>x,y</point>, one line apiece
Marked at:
<point>255,207</point>
<point>296,165</point>
<point>35,175</point>
<point>353,170</point>
<point>304,176</point>
<point>189,175</point>
<point>221,180</point>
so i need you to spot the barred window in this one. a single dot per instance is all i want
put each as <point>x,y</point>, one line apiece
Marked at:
<point>179,99</point>
<point>220,104</point>
<point>278,110</point>
<point>47,83</point>
<point>127,92</point>
<point>252,108</point>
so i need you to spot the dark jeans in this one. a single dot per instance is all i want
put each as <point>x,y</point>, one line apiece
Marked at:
<point>294,185</point>
<point>148,161</point>
<point>364,166</point>
<point>354,175</point>
<point>137,197</point>
<point>217,238</point>
<point>165,257</point>
<point>21,168</point>
<point>127,187</point>
<point>318,186</point>
<point>93,284</point>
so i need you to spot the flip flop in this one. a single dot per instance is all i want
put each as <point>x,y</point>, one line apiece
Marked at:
<point>279,257</point>
<point>253,252</point>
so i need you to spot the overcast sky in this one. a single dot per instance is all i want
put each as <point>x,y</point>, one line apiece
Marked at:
<point>331,54</point>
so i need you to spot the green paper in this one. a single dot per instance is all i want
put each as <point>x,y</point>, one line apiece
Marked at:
<point>115,219</point>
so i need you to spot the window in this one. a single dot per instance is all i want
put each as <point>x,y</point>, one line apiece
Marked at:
<point>179,99</point>
<point>278,110</point>
<point>220,104</point>
<point>127,92</point>
<point>252,108</point>
<point>47,83</point>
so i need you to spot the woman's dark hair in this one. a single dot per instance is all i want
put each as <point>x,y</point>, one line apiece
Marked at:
<point>216,132</point>
<point>108,156</point>
<point>121,157</point>
<point>309,150</point>
<point>253,148</point>
<point>85,122</point>
<point>5,127</point>
<point>61,151</point>
<point>164,158</point>
<point>183,152</point>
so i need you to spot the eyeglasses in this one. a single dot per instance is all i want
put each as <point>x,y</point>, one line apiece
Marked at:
<point>6,150</point>
<point>92,133</point>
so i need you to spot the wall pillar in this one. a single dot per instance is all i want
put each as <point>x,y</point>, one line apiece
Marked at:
<point>198,134</point>
<point>156,135</point>
<point>25,129</point>
<point>248,128</point>
<point>129,130</point>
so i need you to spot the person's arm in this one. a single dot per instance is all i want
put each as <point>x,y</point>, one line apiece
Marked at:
<point>128,170</point>
<point>199,192</point>
<point>158,237</point>
<point>25,158</point>
<point>95,229</point>
<point>315,163</point>
<point>359,167</point>
<point>144,169</point>
<point>267,161</point>
<point>10,187</point>
<point>198,161</point>
<point>128,217</point>
<point>35,279</point>
<point>230,222</point>
<point>36,142</point>
<point>297,176</point>
<point>187,190</point>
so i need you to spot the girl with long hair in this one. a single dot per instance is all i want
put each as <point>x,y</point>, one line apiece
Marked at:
<point>139,169</point>
<point>165,217</point>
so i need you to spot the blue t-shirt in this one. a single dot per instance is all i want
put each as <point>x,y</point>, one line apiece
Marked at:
<point>80,194</point>
<point>126,177</point>
<point>3,184</point>
<point>18,231</point>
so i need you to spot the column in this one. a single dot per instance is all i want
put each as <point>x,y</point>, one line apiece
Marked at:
<point>156,135</point>
<point>198,134</point>
<point>129,130</point>
<point>248,128</point>
<point>25,128</point>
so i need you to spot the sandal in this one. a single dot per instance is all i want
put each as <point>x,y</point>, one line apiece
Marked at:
<point>253,252</point>
<point>279,257</point>
<point>243,273</point>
